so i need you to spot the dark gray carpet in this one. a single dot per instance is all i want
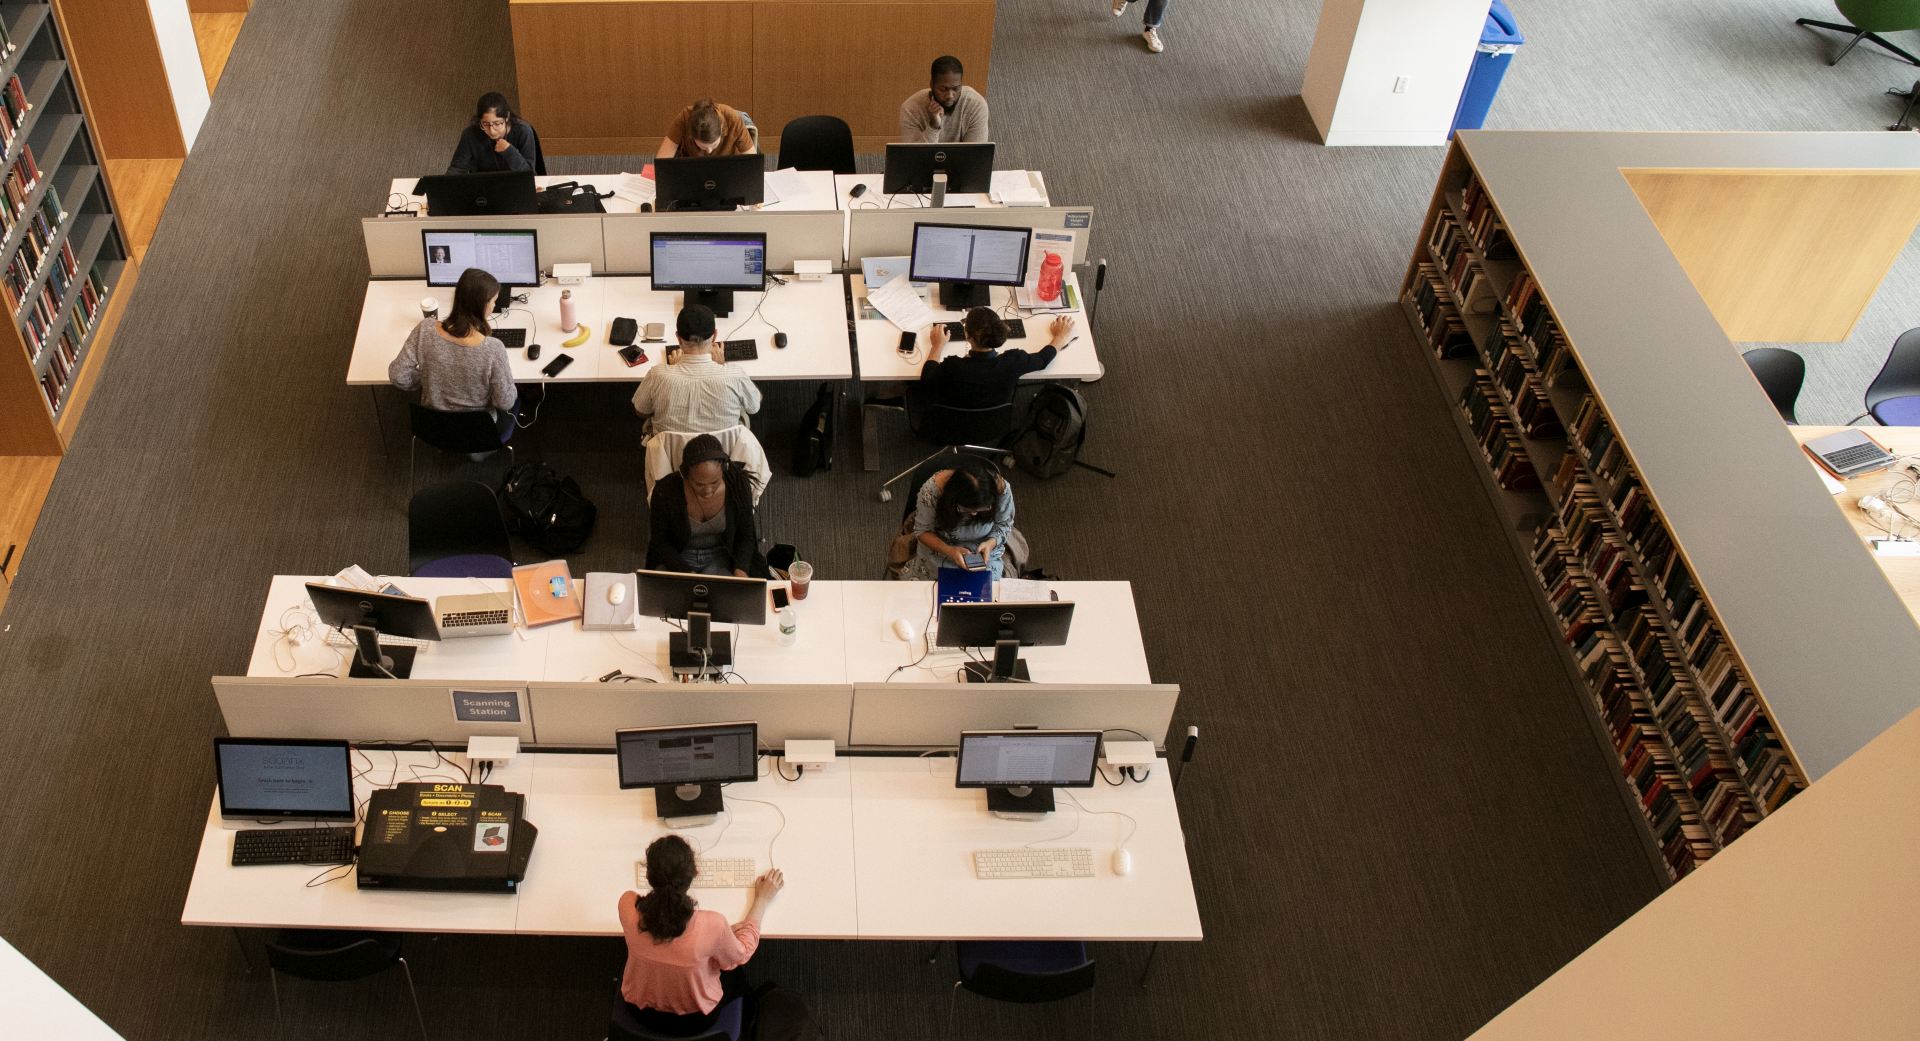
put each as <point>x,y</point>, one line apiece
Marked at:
<point>1399,821</point>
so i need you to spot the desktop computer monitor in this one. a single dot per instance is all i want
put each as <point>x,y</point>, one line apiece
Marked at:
<point>702,600</point>
<point>511,257</point>
<point>1021,768</point>
<point>1005,627</point>
<point>709,266</point>
<point>712,182</point>
<point>267,779</point>
<point>479,194</point>
<point>910,167</point>
<point>965,259</point>
<point>685,766</point>
<point>369,615</point>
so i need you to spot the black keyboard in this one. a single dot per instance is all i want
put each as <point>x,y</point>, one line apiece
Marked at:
<point>293,846</point>
<point>742,350</point>
<point>515,339</point>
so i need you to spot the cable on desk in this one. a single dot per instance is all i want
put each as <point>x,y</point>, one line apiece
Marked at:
<point>777,832</point>
<point>1134,824</point>
<point>1078,811</point>
<point>778,282</point>
<point>927,647</point>
<point>783,772</point>
<point>321,879</point>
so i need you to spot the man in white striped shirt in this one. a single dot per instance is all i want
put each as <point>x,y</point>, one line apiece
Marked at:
<point>696,392</point>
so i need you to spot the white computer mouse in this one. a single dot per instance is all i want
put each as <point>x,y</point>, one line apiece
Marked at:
<point>617,593</point>
<point>903,629</point>
<point>1122,861</point>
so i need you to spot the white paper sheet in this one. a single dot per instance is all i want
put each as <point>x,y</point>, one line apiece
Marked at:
<point>784,184</point>
<point>634,189</point>
<point>901,305</point>
<point>1014,188</point>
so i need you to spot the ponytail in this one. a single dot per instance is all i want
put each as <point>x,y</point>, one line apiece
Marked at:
<point>666,909</point>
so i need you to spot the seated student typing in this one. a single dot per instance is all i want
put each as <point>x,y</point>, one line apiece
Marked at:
<point>696,391</point>
<point>456,363</point>
<point>701,516</point>
<point>496,141</point>
<point>681,960</point>
<point>707,127</point>
<point>984,377</point>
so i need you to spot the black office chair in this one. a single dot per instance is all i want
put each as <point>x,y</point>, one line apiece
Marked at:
<point>1893,398</point>
<point>1780,372</point>
<point>817,143</point>
<point>454,530</point>
<point>727,1024</point>
<point>1024,972</point>
<point>973,431</point>
<point>539,156</point>
<point>465,433</point>
<point>331,956</point>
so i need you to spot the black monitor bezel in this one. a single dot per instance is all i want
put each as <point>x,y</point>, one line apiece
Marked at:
<point>748,171</point>
<point>645,605</point>
<point>426,254</point>
<point>517,186</point>
<point>952,613</point>
<point>960,751</point>
<point>753,768</point>
<point>903,159</point>
<point>654,238</point>
<point>228,812</point>
<point>913,252</point>
<point>326,600</point>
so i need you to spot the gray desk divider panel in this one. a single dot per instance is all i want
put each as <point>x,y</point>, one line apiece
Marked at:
<point>585,715</point>
<point>922,715</point>
<point>791,236</point>
<point>393,243</point>
<point>889,233</point>
<point>359,710</point>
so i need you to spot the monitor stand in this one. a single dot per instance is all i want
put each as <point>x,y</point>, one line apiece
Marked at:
<point>719,301</point>
<point>1006,666</point>
<point>1020,804</point>
<point>687,805</point>
<point>370,659</point>
<point>959,296</point>
<point>504,300</point>
<point>684,650</point>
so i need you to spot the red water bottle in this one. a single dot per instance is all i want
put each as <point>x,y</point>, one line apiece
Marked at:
<point>1049,287</point>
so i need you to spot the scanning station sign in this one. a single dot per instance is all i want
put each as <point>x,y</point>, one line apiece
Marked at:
<point>486,706</point>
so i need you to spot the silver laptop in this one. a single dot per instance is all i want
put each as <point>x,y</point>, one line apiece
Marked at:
<point>474,614</point>
<point>1849,453</point>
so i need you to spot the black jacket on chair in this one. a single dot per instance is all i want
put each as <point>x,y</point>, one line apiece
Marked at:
<point>671,529</point>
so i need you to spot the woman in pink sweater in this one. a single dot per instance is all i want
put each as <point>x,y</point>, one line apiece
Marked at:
<point>678,957</point>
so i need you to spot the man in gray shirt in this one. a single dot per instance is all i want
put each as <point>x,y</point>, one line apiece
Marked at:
<point>696,392</point>
<point>947,110</point>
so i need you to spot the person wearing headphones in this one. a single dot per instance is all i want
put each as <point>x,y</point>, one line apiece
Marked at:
<point>700,516</point>
<point>984,377</point>
<point>496,141</point>
<point>682,962</point>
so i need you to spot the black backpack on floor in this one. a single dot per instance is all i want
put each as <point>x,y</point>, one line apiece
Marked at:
<point>1049,443</point>
<point>547,508</point>
<point>813,442</point>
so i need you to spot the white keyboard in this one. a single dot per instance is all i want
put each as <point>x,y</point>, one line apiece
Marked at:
<point>712,873</point>
<point>336,638</point>
<point>1033,863</point>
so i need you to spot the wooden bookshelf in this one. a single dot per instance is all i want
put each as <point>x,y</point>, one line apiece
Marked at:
<point>1592,384</point>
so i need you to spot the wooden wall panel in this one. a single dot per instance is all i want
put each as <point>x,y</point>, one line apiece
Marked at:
<point>25,427</point>
<point>116,60</point>
<point>1783,255</point>
<point>219,6</point>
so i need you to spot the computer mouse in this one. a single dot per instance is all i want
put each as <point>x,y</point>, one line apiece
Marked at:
<point>1122,861</point>
<point>858,191</point>
<point>780,339</point>
<point>533,352</point>
<point>903,629</point>
<point>617,594</point>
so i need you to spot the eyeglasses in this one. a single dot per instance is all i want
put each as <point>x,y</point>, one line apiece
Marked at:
<point>493,124</point>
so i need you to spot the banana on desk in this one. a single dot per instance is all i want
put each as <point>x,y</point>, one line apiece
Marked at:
<point>579,337</point>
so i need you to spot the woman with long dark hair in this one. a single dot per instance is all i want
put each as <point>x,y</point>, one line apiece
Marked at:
<point>968,509</point>
<point>497,140</point>
<point>679,958</point>
<point>701,516</point>
<point>456,363</point>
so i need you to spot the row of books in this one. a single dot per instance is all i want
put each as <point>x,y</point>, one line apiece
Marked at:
<point>13,99</point>
<point>1472,285</point>
<point>22,178</point>
<point>37,319</point>
<point>1500,443</point>
<point>63,361</point>
<point>1445,331</point>
<point>35,250</point>
<point>1484,225</point>
<point>1532,411</point>
<point>1593,436</point>
<point>7,45</point>
<point>1643,526</point>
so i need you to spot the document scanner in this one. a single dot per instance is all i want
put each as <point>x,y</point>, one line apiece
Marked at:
<point>468,838</point>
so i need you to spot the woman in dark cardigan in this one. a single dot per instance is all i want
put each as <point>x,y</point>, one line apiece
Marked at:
<point>702,516</point>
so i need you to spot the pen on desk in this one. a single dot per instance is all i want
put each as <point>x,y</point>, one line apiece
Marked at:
<point>1069,342</point>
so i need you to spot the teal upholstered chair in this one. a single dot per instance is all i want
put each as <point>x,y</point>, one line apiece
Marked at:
<point>1867,19</point>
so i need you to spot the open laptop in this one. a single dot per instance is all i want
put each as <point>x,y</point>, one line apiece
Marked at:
<point>291,781</point>
<point>1849,453</point>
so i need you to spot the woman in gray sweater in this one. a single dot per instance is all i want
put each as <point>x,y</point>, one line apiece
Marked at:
<point>456,363</point>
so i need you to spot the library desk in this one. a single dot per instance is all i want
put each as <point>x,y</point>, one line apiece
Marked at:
<point>1903,573</point>
<point>1103,647</point>
<point>876,199</point>
<point>818,194</point>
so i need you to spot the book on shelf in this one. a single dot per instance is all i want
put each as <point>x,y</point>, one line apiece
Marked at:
<point>1445,331</point>
<point>1499,441</point>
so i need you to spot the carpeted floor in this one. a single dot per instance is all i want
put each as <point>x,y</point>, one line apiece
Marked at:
<point>1399,820</point>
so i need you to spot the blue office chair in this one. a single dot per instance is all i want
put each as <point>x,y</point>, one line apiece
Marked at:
<point>1893,398</point>
<point>625,1026</point>
<point>454,530</point>
<point>1024,972</point>
<point>330,955</point>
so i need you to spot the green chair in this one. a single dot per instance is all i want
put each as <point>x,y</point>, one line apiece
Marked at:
<point>1868,19</point>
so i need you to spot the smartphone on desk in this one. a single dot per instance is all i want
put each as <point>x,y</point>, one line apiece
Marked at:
<point>555,367</point>
<point>632,356</point>
<point>779,595</point>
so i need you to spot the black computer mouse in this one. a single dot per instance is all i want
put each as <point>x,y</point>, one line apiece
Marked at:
<point>779,339</point>
<point>533,352</point>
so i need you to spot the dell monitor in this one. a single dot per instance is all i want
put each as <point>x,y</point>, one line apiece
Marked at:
<point>276,779</point>
<point>702,600</point>
<point>910,168</point>
<point>1005,627</point>
<point>511,257</point>
<point>1021,768</point>
<point>965,259</point>
<point>712,182</point>
<point>369,615</point>
<point>506,193</point>
<point>685,766</point>
<point>709,266</point>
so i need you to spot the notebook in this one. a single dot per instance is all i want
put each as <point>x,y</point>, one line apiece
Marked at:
<point>542,601</point>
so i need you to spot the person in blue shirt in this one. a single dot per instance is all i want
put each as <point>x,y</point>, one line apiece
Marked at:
<point>496,141</point>
<point>966,509</point>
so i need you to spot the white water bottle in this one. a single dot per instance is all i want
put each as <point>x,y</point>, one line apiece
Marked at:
<point>567,323</point>
<point>789,626</point>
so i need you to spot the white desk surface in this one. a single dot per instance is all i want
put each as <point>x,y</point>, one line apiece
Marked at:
<point>914,835</point>
<point>33,1005</point>
<point>1103,647</point>
<point>594,831</point>
<point>818,195</point>
<point>471,658</point>
<point>818,654</point>
<point>874,199</point>
<point>277,894</point>
<point>878,339</point>
<point>813,315</point>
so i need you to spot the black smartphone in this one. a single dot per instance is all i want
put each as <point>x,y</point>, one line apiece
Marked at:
<point>907,340</point>
<point>558,364</point>
<point>975,562</point>
<point>779,594</point>
<point>632,356</point>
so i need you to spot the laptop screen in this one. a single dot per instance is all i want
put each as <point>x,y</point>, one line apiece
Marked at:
<point>267,779</point>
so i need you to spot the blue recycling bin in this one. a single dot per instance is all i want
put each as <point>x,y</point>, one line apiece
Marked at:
<point>1498,42</point>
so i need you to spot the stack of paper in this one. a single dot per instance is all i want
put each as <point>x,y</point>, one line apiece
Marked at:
<point>1014,188</point>
<point>901,305</point>
<point>635,188</point>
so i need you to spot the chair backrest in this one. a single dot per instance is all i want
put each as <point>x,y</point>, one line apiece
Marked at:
<point>727,1023</point>
<point>665,448</point>
<point>456,431</point>
<point>1029,988</point>
<point>817,143</point>
<point>454,519</point>
<point>943,424</point>
<point>1900,376</point>
<point>1881,16</point>
<point>332,956</point>
<point>1780,372</point>
<point>539,156</point>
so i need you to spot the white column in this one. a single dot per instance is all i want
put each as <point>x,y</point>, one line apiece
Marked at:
<point>1389,72</point>
<point>180,54</point>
